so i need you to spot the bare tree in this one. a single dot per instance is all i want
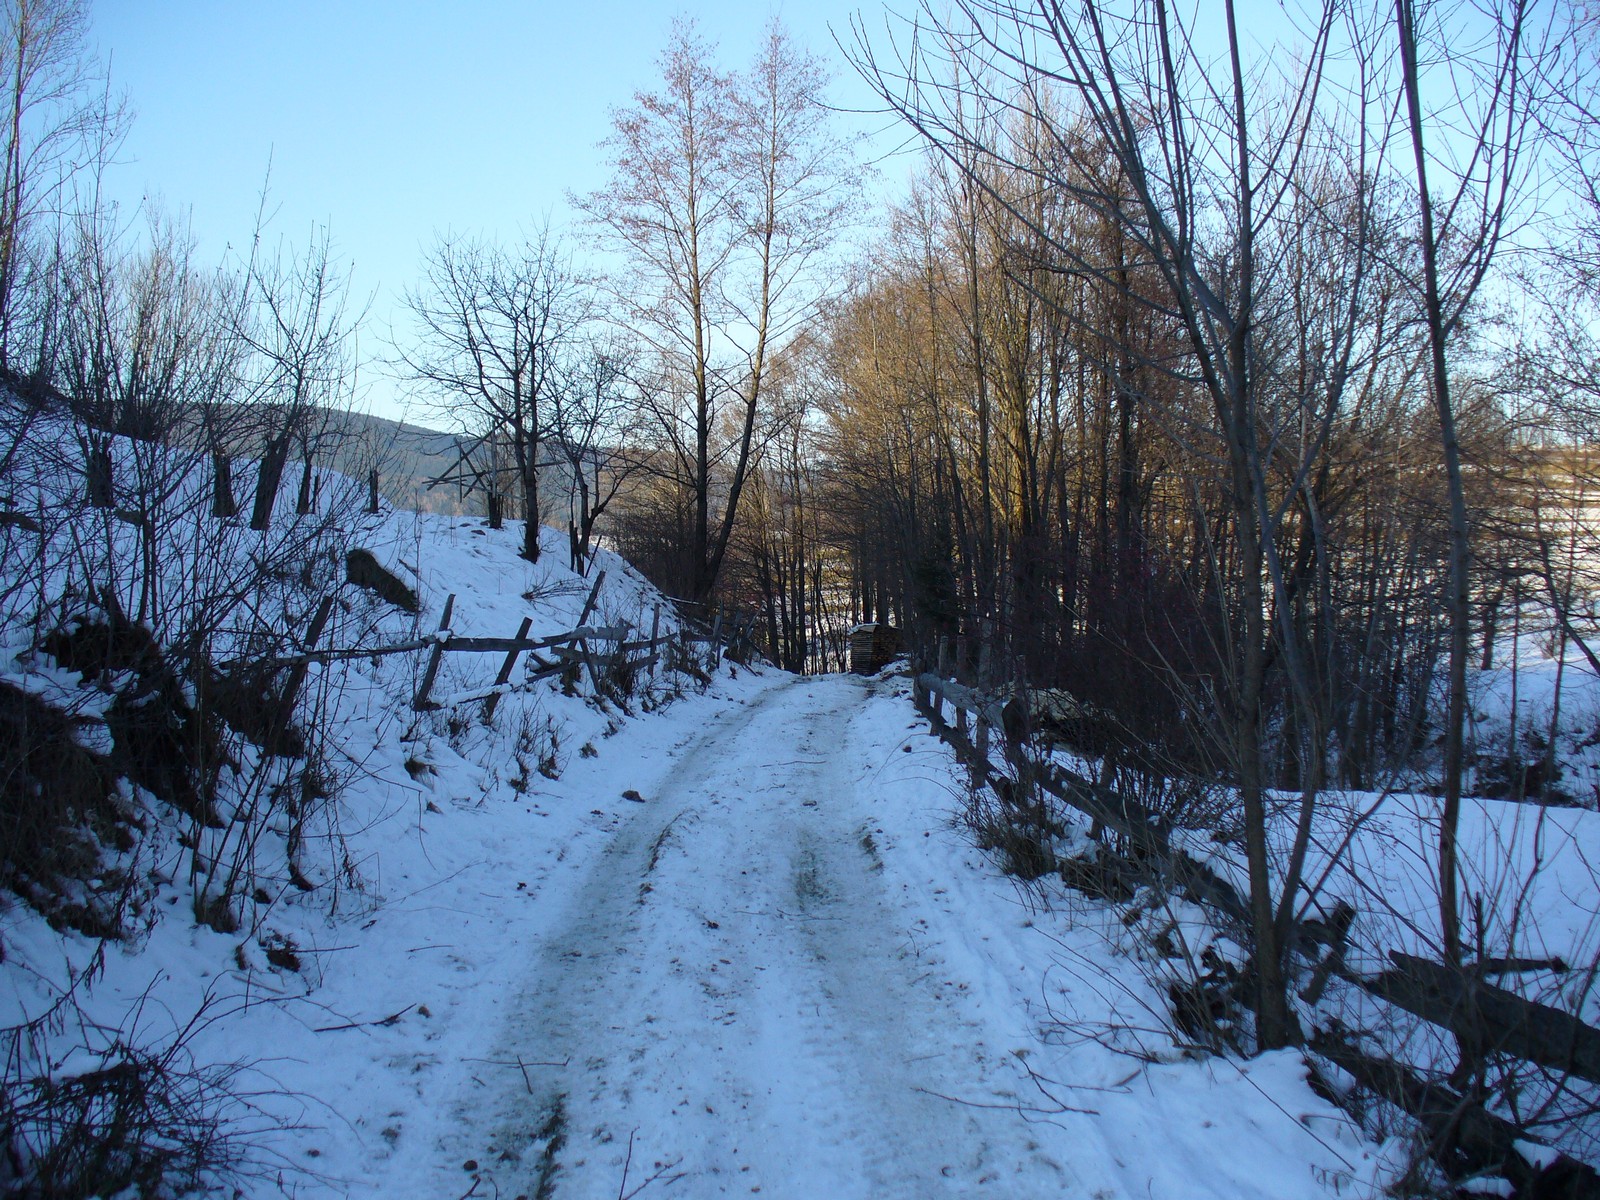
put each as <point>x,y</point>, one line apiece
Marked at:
<point>1467,201</point>
<point>58,116</point>
<point>145,345</point>
<point>594,430</point>
<point>781,557</point>
<point>298,331</point>
<point>725,192</point>
<point>493,325</point>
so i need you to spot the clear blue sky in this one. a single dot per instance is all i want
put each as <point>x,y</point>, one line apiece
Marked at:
<point>390,119</point>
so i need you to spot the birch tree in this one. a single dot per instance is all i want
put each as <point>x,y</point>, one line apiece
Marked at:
<point>725,192</point>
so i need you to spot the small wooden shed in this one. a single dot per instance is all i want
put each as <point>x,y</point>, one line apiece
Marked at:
<point>872,647</point>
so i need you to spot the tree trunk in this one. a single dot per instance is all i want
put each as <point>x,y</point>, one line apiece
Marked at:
<point>273,461</point>
<point>99,481</point>
<point>223,504</point>
<point>1460,538</point>
<point>305,501</point>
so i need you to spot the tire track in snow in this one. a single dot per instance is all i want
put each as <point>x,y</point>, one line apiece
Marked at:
<point>736,992</point>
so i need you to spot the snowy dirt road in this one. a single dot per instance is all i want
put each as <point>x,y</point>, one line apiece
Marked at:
<point>737,1004</point>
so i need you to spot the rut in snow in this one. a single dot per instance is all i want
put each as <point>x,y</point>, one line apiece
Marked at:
<point>737,1003</point>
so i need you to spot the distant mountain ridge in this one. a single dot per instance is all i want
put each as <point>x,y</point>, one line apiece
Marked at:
<point>408,457</point>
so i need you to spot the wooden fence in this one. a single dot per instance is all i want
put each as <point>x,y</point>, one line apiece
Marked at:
<point>1482,1016</point>
<point>605,652</point>
<point>718,624</point>
<point>978,714</point>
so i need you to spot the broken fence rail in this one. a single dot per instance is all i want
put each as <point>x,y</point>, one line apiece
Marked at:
<point>570,649</point>
<point>449,644</point>
<point>1491,1018</point>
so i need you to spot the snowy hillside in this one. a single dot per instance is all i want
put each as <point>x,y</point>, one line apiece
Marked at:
<point>252,904</point>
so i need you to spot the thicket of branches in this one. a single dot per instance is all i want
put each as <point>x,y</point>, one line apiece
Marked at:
<point>1243,392</point>
<point>144,579</point>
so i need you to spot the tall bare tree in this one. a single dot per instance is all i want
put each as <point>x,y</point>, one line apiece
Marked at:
<point>59,117</point>
<point>492,327</point>
<point>725,192</point>
<point>1467,202</point>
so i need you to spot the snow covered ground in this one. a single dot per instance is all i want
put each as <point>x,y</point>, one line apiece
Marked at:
<point>781,971</point>
<point>719,941</point>
<point>739,949</point>
<point>787,974</point>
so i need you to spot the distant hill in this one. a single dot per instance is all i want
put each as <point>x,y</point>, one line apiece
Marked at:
<point>408,457</point>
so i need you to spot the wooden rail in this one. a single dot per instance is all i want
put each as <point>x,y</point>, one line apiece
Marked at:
<point>581,649</point>
<point>570,651</point>
<point>1489,1018</point>
<point>1147,837</point>
<point>448,643</point>
<point>575,649</point>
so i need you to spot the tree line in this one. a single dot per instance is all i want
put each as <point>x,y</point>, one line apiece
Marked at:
<point>1240,390</point>
<point>1181,385</point>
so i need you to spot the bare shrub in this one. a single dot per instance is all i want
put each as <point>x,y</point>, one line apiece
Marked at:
<point>90,1112</point>
<point>1022,832</point>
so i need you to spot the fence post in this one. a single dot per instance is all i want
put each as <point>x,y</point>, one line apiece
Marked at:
<point>594,594</point>
<point>714,654</point>
<point>594,668</point>
<point>583,644</point>
<point>655,632</point>
<point>980,743</point>
<point>421,702</point>
<point>981,732</point>
<point>961,658</point>
<point>506,668</point>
